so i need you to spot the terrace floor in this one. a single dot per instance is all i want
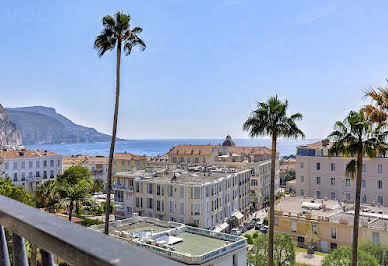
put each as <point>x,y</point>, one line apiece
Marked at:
<point>197,244</point>
<point>131,228</point>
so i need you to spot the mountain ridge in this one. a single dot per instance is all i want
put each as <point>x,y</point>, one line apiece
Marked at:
<point>43,125</point>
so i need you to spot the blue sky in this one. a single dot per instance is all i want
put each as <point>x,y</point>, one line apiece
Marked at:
<point>206,64</point>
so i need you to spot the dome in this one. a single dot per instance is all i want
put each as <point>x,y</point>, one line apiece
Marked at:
<point>228,141</point>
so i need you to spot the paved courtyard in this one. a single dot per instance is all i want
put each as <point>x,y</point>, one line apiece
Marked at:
<point>304,258</point>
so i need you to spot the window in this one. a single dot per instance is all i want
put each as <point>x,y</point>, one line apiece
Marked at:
<point>363,183</point>
<point>380,200</point>
<point>149,188</point>
<point>23,176</point>
<point>15,177</point>
<point>196,209</point>
<point>347,182</point>
<point>37,174</point>
<point>379,184</point>
<point>235,260</point>
<point>318,193</point>
<point>318,166</point>
<point>52,173</point>
<point>122,163</point>
<point>379,168</point>
<point>170,191</point>
<point>332,167</point>
<point>30,163</point>
<point>15,165</point>
<point>150,203</point>
<point>334,233</point>
<point>332,195</point>
<point>318,180</point>
<point>301,165</point>
<point>37,164</point>
<point>23,165</point>
<point>376,237</point>
<point>182,192</point>
<point>197,193</point>
<point>314,229</point>
<point>44,174</point>
<point>363,199</point>
<point>347,196</point>
<point>363,168</point>
<point>302,192</point>
<point>171,206</point>
<point>6,165</point>
<point>293,226</point>
<point>51,162</point>
<point>157,189</point>
<point>302,179</point>
<point>332,181</point>
<point>182,208</point>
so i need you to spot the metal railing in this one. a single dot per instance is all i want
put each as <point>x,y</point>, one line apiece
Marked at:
<point>73,243</point>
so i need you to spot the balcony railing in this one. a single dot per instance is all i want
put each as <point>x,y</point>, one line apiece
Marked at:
<point>73,243</point>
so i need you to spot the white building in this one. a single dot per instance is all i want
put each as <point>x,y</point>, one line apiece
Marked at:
<point>180,243</point>
<point>29,168</point>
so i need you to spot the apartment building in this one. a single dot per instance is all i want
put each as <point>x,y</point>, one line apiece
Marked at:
<point>331,221</point>
<point>320,176</point>
<point>228,155</point>
<point>179,243</point>
<point>97,165</point>
<point>29,168</point>
<point>201,198</point>
<point>126,162</point>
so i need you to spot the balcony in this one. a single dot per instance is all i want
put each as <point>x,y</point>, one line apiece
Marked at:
<point>73,243</point>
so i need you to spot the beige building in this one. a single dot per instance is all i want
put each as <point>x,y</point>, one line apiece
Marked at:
<point>30,168</point>
<point>201,198</point>
<point>97,165</point>
<point>126,162</point>
<point>321,176</point>
<point>227,155</point>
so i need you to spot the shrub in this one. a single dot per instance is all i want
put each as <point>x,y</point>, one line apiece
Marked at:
<point>249,239</point>
<point>255,235</point>
<point>265,220</point>
<point>343,256</point>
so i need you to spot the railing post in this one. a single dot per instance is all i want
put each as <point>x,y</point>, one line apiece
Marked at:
<point>4,258</point>
<point>47,258</point>
<point>19,251</point>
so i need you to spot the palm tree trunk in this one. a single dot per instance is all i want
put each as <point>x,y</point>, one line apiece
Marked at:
<point>357,208</point>
<point>113,141</point>
<point>272,202</point>
<point>71,206</point>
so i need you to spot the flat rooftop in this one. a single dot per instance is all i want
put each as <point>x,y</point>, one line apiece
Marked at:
<point>317,207</point>
<point>190,177</point>
<point>195,244</point>
<point>139,227</point>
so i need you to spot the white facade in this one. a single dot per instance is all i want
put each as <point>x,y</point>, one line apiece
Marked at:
<point>29,168</point>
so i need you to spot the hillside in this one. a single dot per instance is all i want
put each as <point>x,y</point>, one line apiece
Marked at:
<point>9,133</point>
<point>43,125</point>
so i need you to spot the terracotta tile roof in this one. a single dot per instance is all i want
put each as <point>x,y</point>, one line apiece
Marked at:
<point>84,159</point>
<point>192,150</point>
<point>315,145</point>
<point>250,150</point>
<point>129,156</point>
<point>26,153</point>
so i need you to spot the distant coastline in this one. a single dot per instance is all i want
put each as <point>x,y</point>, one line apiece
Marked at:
<point>154,147</point>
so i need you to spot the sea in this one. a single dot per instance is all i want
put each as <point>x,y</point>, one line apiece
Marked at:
<point>154,147</point>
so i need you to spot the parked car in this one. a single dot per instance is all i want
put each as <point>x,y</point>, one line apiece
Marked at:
<point>249,224</point>
<point>243,229</point>
<point>257,225</point>
<point>235,232</point>
<point>263,229</point>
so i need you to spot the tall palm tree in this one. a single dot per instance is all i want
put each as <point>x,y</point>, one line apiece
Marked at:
<point>270,118</point>
<point>356,137</point>
<point>116,34</point>
<point>376,112</point>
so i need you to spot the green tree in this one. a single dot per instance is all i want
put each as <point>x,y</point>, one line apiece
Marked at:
<point>310,241</point>
<point>117,34</point>
<point>47,196</point>
<point>356,137</point>
<point>378,251</point>
<point>270,118</point>
<point>343,257</point>
<point>284,251</point>
<point>255,235</point>
<point>19,193</point>
<point>75,184</point>
<point>98,185</point>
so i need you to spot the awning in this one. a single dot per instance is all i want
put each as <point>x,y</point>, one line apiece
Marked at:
<point>238,215</point>
<point>221,227</point>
